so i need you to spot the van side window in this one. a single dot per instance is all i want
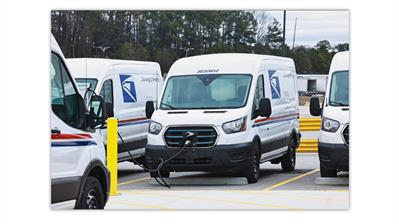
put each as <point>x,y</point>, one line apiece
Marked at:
<point>259,93</point>
<point>107,91</point>
<point>63,94</point>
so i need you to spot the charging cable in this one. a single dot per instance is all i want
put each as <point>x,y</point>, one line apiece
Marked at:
<point>189,139</point>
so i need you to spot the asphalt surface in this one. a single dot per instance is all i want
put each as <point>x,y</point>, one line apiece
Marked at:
<point>297,190</point>
<point>132,177</point>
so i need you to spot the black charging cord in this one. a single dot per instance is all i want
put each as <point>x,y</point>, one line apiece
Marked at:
<point>160,165</point>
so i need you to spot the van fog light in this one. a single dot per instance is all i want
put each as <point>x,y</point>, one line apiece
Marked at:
<point>235,126</point>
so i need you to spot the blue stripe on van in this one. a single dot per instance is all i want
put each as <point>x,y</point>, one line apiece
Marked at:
<point>133,123</point>
<point>124,123</point>
<point>273,121</point>
<point>72,143</point>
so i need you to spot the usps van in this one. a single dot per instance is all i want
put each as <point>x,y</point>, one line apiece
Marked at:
<point>126,86</point>
<point>79,177</point>
<point>333,146</point>
<point>242,109</point>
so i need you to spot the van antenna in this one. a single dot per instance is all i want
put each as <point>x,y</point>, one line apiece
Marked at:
<point>156,92</point>
<point>86,73</point>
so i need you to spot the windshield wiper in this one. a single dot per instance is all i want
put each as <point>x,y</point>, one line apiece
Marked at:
<point>165,104</point>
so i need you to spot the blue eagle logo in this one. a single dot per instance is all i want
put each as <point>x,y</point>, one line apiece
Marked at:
<point>128,89</point>
<point>274,84</point>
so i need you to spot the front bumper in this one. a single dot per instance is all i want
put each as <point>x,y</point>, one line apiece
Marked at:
<point>334,156</point>
<point>218,158</point>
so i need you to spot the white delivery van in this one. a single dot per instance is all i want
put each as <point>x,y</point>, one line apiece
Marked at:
<point>334,134</point>
<point>242,109</point>
<point>78,172</point>
<point>126,86</point>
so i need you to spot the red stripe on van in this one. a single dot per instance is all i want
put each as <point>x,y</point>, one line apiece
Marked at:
<point>132,119</point>
<point>274,118</point>
<point>70,136</point>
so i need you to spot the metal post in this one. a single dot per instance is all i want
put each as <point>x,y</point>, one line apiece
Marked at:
<point>293,41</point>
<point>284,34</point>
<point>112,154</point>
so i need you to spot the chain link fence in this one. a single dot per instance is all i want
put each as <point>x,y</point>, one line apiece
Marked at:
<point>304,96</point>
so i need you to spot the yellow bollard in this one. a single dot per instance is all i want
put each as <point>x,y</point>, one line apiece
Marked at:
<point>112,154</point>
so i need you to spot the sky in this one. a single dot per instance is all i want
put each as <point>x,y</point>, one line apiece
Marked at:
<point>313,26</point>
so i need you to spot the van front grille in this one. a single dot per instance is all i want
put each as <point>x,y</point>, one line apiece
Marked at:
<point>345,134</point>
<point>206,136</point>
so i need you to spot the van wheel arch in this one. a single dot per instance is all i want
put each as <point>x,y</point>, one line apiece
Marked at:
<point>98,170</point>
<point>256,140</point>
<point>294,137</point>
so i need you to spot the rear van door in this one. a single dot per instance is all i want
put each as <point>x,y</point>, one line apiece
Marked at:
<point>283,96</point>
<point>131,89</point>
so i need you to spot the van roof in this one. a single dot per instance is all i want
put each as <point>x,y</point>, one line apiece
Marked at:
<point>340,62</point>
<point>97,67</point>
<point>228,63</point>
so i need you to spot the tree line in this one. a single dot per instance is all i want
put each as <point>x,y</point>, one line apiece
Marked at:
<point>165,36</point>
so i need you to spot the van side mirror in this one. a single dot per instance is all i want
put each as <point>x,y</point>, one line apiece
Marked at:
<point>265,107</point>
<point>149,109</point>
<point>97,116</point>
<point>110,109</point>
<point>315,109</point>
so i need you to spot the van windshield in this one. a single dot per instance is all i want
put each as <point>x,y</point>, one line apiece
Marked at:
<point>339,90</point>
<point>206,91</point>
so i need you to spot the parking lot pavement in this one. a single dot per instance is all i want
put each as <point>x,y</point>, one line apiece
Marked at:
<point>304,111</point>
<point>217,199</point>
<point>197,190</point>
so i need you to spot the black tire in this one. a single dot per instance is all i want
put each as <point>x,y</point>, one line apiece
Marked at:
<point>92,196</point>
<point>252,172</point>
<point>327,172</point>
<point>289,159</point>
<point>164,174</point>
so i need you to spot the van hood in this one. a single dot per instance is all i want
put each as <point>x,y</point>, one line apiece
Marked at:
<point>214,117</point>
<point>340,114</point>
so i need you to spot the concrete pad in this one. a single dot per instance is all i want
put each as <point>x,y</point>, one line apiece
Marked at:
<point>66,205</point>
<point>304,111</point>
<point>310,134</point>
<point>337,181</point>
<point>205,181</point>
<point>215,199</point>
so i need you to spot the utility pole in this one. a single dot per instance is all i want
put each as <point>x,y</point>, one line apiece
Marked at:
<point>293,41</point>
<point>284,34</point>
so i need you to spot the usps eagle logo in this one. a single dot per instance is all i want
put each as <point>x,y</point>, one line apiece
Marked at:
<point>274,84</point>
<point>128,89</point>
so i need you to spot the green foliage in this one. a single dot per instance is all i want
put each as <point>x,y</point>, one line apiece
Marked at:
<point>165,36</point>
<point>342,47</point>
<point>302,60</point>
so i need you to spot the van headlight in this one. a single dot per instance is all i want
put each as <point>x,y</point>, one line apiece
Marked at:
<point>154,128</point>
<point>235,126</point>
<point>329,125</point>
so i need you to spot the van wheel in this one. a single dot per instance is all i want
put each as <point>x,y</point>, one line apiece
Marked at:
<point>92,196</point>
<point>252,172</point>
<point>289,159</point>
<point>165,174</point>
<point>327,172</point>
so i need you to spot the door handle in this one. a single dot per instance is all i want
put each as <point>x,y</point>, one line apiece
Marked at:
<point>55,131</point>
